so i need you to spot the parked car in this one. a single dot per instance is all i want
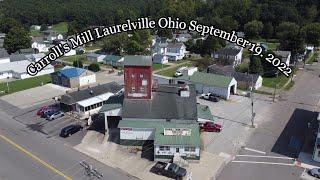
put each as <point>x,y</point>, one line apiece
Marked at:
<point>41,110</point>
<point>56,115</point>
<point>315,172</point>
<point>211,127</point>
<point>178,72</point>
<point>210,97</point>
<point>48,112</point>
<point>170,170</point>
<point>69,130</point>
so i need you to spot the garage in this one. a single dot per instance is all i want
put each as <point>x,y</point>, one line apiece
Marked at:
<point>219,85</point>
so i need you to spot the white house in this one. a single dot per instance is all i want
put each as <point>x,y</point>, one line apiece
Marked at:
<point>93,57</point>
<point>17,69</point>
<point>285,56</point>
<point>160,59</point>
<point>232,56</point>
<point>189,71</point>
<point>4,56</point>
<point>40,46</point>
<point>219,85</point>
<point>176,51</point>
<point>184,37</point>
<point>36,27</point>
<point>72,52</point>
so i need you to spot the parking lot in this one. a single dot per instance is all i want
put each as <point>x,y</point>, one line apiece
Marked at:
<point>49,128</point>
<point>235,117</point>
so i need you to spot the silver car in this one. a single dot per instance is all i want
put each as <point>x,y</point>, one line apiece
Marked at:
<point>56,115</point>
<point>315,172</point>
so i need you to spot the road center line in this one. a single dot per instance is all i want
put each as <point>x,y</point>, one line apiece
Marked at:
<point>34,157</point>
<point>272,157</point>
<point>254,150</point>
<point>258,162</point>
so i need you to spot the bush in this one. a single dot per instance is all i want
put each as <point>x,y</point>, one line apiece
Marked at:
<point>243,67</point>
<point>95,67</point>
<point>77,63</point>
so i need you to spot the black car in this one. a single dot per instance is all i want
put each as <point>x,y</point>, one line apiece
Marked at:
<point>170,170</point>
<point>69,130</point>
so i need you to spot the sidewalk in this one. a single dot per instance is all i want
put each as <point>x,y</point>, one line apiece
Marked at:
<point>118,156</point>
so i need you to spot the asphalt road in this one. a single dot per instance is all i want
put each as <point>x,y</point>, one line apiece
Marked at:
<point>29,155</point>
<point>266,156</point>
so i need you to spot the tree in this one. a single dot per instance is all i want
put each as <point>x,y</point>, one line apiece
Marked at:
<point>43,27</point>
<point>95,67</point>
<point>77,63</point>
<point>7,23</point>
<point>253,29</point>
<point>165,33</point>
<point>255,66</point>
<point>291,38</point>
<point>311,33</point>
<point>75,27</point>
<point>267,31</point>
<point>210,45</point>
<point>17,38</point>
<point>115,44</point>
<point>133,47</point>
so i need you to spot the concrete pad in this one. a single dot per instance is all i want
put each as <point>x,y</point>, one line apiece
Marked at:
<point>34,96</point>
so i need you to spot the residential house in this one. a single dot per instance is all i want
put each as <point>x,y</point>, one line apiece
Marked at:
<point>176,51</point>
<point>51,35</point>
<point>285,56</point>
<point>86,102</point>
<point>2,35</point>
<point>35,57</point>
<point>27,51</point>
<point>4,56</point>
<point>35,27</point>
<point>232,56</point>
<point>17,57</point>
<point>113,60</point>
<point>39,44</point>
<point>93,57</point>
<point>218,85</point>
<point>73,77</point>
<point>17,69</point>
<point>159,79</point>
<point>1,43</point>
<point>244,80</point>
<point>184,37</point>
<point>160,59</point>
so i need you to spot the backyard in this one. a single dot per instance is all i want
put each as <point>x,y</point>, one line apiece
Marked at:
<point>170,72</point>
<point>158,66</point>
<point>61,27</point>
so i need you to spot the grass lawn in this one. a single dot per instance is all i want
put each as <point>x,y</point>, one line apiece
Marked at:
<point>311,58</point>
<point>273,46</point>
<point>61,27</point>
<point>75,57</point>
<point>158,66</point>
<point>170,72</point>
<point>272,81</point>
<point>34,32</point>
<point>19,85</point>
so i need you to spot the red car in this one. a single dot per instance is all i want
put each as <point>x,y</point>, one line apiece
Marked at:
<point>41,110</point>
<point>211,127</point>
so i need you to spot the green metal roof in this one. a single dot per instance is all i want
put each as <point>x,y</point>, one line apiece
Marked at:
<point>208,79</point>
<point>204,112</point>
<point>112,58</point>
<point>114,102</point>
<point>159,126</point>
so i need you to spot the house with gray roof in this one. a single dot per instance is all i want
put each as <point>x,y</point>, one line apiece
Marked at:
<point>219,85</point>
<point>160,59</point>
<point>174,51</point>
<point>94,57</point>
<point>285,56</point>
<point>231,56</point>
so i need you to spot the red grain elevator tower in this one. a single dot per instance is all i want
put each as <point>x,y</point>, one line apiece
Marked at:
<point>138,77</point>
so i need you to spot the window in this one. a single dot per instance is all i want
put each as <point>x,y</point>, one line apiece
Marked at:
<point>144,82</point>
<point>141,75</point>
<point>142,89</point>
<point>189,149</point>
<point>133,89</point>
<point>132,75</point>
<point>164,148</point>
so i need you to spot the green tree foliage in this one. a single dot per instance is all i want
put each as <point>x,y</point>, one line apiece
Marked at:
<point>95,67</point>
<point>290,36</point>
<point>164,33</point>
<point>78,63</point>
<point>255,66</point>
<point>267,31</point>
<point>311,32</point>
<point>253,29</point>
<point>17,38</point>
<point>115,44</point>
<point>43,27</point>
<point>7,23</point>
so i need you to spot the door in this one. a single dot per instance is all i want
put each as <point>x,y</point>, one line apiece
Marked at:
<point>177,150</point>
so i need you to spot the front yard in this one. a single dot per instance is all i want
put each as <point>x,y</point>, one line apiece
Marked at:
<point>158,66</point>
<point>19,85</point>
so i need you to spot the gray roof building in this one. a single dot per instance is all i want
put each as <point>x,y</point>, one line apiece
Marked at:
<point>228,51</point>
<point>138,61</point>
<point>17,57</point>
<point>3,53</point>
<point>72,98</point>
<point>166,103</point>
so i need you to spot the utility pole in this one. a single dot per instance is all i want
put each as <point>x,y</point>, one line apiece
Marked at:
<point>90,172</point>
<point>8,84</point>
<point>251,95</point>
